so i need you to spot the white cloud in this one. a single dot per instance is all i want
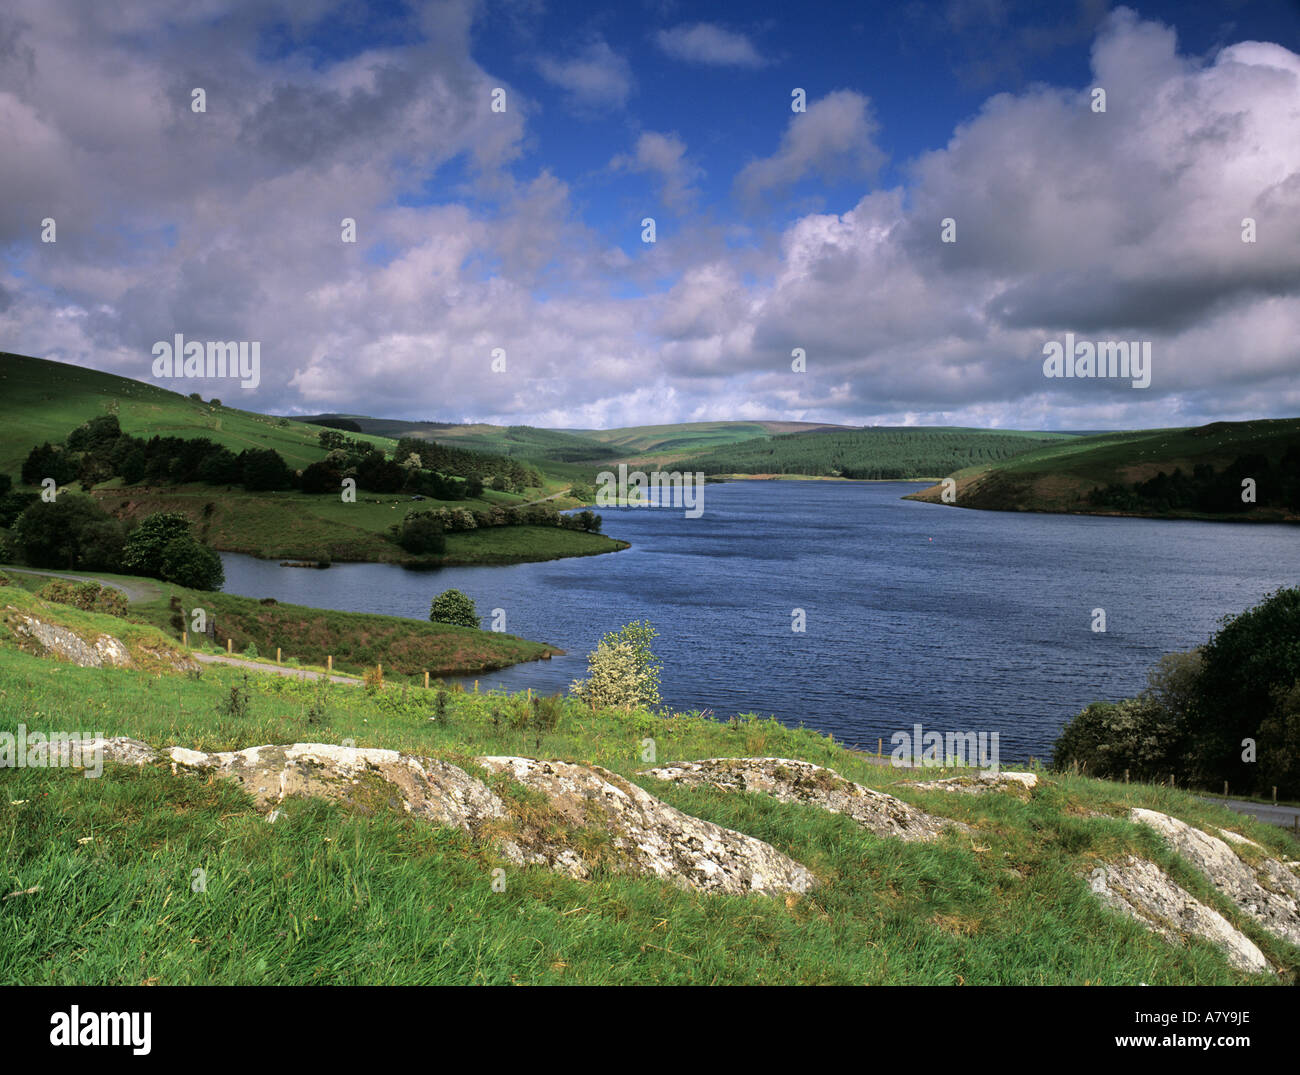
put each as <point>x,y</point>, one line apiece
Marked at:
<point>709,43</point>
<point>597,78</point>
<point>664,156</point>
<point>833,139</point>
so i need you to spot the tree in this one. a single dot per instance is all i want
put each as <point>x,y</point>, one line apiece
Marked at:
<point>143,554</point>
<point>421,534</point>
<point>73,531</point>
<point>622,672</point>
<point>454,607</point>
<point>187,562</point>
<point>46,461</point>
<point>1248,665</point>
<point>264,470</point>
<point>320,477</point>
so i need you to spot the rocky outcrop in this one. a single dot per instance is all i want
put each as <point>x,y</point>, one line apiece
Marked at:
<point>640,833</point>
<point>366,779</point>
<point>49,639</point>
<point>980,783</point>
<point>803,782</point>
<point>1269,893</point>
<point>1141,890</point>
<point>649,836</point>
<point>89,649</point>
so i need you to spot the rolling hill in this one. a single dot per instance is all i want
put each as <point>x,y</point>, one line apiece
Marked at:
<point>1063,475</point>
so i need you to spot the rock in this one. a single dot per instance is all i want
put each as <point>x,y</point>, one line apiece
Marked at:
<point>92,650</point>
<point>51,639</point>
<point>803,782</point>
<point>1269,893</point>
<point>980,783</point>
<point>118,749</point>
<point>651,837</point>
<point>366,778</point>
<point>1141,890</point>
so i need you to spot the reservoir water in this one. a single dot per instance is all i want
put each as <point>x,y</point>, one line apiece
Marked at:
<point>914,613</point>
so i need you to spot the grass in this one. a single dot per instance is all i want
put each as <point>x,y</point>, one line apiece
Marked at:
<point>357,641</point>
<point>331,896</point>
<point>1059,476</point>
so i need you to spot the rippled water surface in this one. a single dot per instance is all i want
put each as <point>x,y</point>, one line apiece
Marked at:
<point>960,620</point>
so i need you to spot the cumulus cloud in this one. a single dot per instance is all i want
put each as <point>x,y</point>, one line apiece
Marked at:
<point>663,156</point>
<point>833,139</point>
<point>709,43</point>
<point>226,225</point>
<point>596,78</point>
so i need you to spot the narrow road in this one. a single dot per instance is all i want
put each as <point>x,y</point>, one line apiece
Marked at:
<point>141,592</point>
<point>1268,813</point>
<point>543,500</point>
<point>275,669</point>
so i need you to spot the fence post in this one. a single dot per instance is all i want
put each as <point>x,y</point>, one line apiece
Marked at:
<point>185,638</point>
<point>1125,776</point>
<point>1225,789</point>
<point>277,654</point>
<point>880,747</point>
<point>329,663</point>
<point>426,679</point>
<point>230,645</point>
<point>379,669</point>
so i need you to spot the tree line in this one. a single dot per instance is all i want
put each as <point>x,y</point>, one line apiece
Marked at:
<point>1218,492</point>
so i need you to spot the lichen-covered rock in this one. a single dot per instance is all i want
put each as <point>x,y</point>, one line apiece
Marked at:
<point>652,837</point>
<point>51,639</point>
<point>1269,893</point>
<point>361,777</point>
<point>981,783</point>
<point>63,752</point>
<point>803,782</point>
<point>1141,890</point>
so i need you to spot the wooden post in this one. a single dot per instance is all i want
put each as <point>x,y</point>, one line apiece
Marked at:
<point>1274,794</point>
<point>185,638</point>
<point>1173,780</point>
<point>880,747</point>
<point>1225,789</point>
<point>426,679</point>
<point>379,670</point>
<point>1125,776</point>
<point>277,654</point>
<point>329,663</point>
<point>230,645</point>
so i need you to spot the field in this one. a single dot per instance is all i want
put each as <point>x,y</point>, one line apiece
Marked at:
<point>361,895</point>
<point>1059,476</point>
<point>877,453</point>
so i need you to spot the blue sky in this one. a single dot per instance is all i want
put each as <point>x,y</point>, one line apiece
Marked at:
<point>775,230</point>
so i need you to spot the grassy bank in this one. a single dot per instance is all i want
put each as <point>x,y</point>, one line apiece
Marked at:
<point>329,895</point>
<point>307,636</point>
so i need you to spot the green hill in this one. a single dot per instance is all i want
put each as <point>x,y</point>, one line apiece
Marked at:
<point>1119,473</point>
<point>42,400</point>
<point>875,453</point>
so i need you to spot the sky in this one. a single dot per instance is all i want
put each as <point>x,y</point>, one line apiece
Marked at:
<point>500,270</point>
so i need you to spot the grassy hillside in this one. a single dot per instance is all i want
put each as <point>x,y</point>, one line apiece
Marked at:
<point>1060,476</point>
<point>526,442</point>
<point>43,401</point>
<point>875,453</point>
<point>369,895</point>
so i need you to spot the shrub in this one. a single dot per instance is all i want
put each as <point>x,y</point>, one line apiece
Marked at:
<point>622,672</point>
<point>454,607</point>
<point>90,596</point>
<point>251,650</point>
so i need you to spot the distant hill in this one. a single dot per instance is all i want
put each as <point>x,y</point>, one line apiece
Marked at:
<point>1119,473</point>
<point>878,452</point>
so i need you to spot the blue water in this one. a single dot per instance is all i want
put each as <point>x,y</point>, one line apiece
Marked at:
<point>959,620</point>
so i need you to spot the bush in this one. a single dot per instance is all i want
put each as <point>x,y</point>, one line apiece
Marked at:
<point>622,672</point>
<point>454,607</point>
<point>90,596</point>
<point>421,533</point>
<point>189,563</point>
<point>1109,737</point>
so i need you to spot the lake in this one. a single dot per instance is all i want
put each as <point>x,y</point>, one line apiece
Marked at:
<point>962,621</point>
